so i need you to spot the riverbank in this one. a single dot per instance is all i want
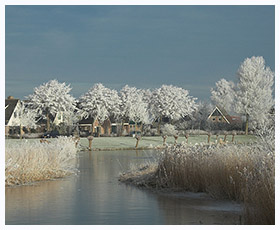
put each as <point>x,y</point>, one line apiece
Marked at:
<point>243,173</point>
<point>146,143</point>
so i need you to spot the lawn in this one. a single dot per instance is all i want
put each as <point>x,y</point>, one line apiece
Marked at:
<point>145,142</point>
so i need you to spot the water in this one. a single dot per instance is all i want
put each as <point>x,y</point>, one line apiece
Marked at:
<point>95,196</point>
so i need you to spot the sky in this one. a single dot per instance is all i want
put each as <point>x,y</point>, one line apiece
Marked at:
<point>143,46</point>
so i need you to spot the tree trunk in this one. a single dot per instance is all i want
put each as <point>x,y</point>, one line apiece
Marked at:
<point>92,127</point>
<point>159,123</point>
<point>20,131</point>
<point>137,141</point>
<point>141,127</point>
<point>208,140</point>
<point>247,124</point>
<point>225,138</point>
<point>120,132</point>
<point>90,138</point>
<point>48,122</point>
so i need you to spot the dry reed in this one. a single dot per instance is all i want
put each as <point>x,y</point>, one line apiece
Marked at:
<point>27,162</point>
<point>242,173</point>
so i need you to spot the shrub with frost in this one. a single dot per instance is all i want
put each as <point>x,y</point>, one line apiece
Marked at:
<point>169,130</point>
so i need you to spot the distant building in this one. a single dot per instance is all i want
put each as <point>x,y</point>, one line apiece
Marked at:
<point>88,126</point>
<point>11,112</point>
<point>220,115</point>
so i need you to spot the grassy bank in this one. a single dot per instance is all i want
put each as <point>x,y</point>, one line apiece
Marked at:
<point>242,173</point>
<point>123,143</point>
<point>31,161</point>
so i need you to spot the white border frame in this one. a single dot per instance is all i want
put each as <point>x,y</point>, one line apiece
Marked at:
<point>132,2</point>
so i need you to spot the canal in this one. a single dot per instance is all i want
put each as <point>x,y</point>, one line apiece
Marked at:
<point>96,197</point>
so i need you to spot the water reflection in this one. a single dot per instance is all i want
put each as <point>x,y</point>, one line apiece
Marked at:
<point>96,197</point>
<point>196,209</point>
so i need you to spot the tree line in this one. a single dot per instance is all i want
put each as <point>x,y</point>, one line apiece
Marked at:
<point>251,96</point>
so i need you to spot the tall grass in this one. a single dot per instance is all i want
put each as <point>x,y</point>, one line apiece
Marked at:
<point>27,162</point>
<point>243,173</point>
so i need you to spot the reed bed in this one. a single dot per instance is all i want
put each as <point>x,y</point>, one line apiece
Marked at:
<point>243,173</point>
<point>27,162</point>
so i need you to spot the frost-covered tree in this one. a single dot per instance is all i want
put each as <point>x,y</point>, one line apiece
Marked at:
<point>50,98</point>
<point>100,103</point>
<point>134,105</point>
<point>200,116</point>
<point>254,90</point>
<point>147,95</point>
<point>224,94</point>
<point>172,102</point>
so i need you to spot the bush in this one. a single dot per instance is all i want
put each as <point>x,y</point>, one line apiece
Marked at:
<point>169,130</point>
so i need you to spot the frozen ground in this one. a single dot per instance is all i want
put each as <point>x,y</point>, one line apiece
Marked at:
<point>145,142</point>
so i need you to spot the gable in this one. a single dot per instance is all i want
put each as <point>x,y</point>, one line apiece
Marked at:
<point>220,112</point>
<point>10,105</point>
<point>216,113</point>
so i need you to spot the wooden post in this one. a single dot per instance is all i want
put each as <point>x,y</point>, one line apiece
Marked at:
<point>209,136</point>
<point>233,134</point>
<point>187,137</point>
<point>90,138</point>
<point>164,140</point>
<point>225,138</point>
<point>175,137</point>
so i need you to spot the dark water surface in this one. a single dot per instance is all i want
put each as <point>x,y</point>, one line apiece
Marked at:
<point>95,196</point>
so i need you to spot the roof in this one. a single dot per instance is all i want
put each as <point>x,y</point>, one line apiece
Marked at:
<point>88,120</point>
<point>10,105</point>
<point>223,112</point>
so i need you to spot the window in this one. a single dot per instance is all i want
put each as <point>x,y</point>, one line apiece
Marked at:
<point>220,119</point>
<point>213,119</point>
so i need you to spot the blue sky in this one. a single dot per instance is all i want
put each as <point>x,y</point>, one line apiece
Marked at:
<point>143,46</point>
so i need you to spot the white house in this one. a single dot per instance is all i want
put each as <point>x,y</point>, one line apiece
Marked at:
<point>12,106</point>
